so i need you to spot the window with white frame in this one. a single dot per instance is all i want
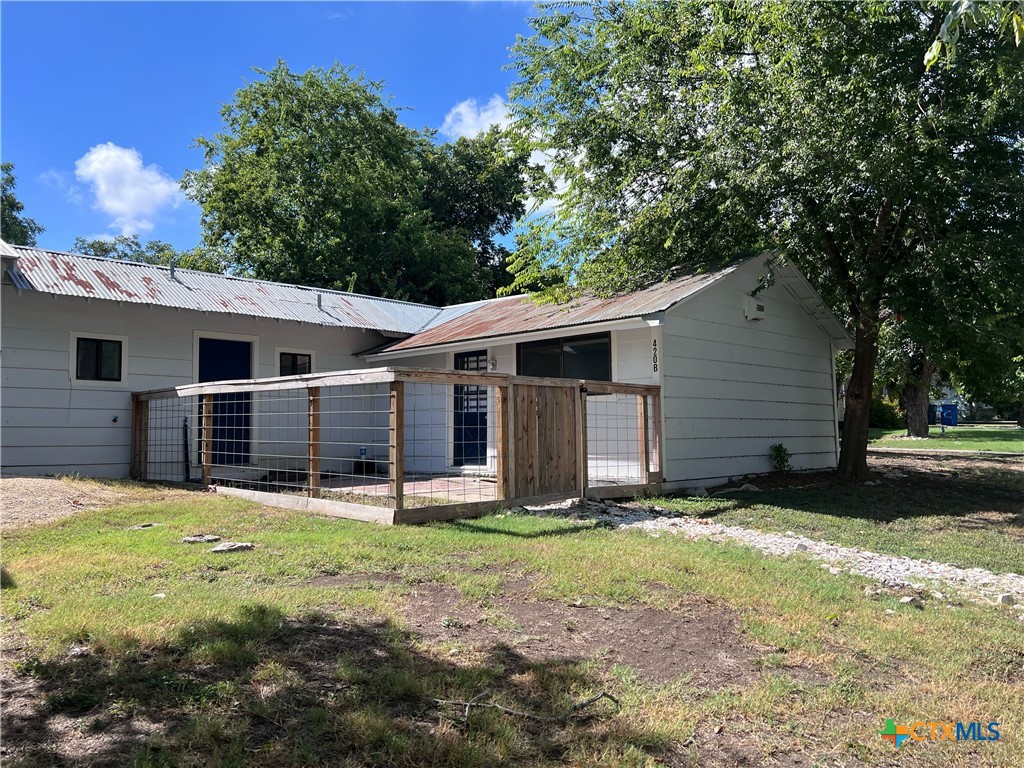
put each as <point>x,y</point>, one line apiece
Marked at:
<point>294,363</point>
<point>98,359</point>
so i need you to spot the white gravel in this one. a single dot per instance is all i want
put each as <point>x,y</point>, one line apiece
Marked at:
<point>892,571</point>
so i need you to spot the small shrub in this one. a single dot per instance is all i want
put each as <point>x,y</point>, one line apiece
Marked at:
<point>780,457</point>
<point>885,414</point>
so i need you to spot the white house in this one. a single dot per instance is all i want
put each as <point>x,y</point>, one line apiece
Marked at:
<point>737,373</point>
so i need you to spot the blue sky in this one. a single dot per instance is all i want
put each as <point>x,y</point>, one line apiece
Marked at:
<point>100,102</point>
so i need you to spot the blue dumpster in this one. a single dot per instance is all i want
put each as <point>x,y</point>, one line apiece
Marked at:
<point>933,414</point>
<point>949,415</point>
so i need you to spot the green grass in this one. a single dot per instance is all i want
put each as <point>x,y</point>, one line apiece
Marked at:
<point>246,664</point>
<point>996,439</point>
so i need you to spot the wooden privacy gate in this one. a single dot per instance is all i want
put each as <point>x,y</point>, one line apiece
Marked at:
<point>376,444</point>
<point>547,434</point>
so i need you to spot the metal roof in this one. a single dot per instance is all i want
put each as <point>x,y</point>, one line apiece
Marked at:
<point>68,274</point>
<point>519,314</point>
<point>516,315</point>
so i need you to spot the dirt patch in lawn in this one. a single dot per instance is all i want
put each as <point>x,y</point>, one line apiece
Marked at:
<point>34,500</point>
<point>699,641</point>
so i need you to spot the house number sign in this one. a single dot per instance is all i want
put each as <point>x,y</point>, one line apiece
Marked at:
<point>654,355</point>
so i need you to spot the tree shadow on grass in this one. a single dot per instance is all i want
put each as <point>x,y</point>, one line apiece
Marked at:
<point>923,486</point>
<point>479,526</point>
<point>264,690</point>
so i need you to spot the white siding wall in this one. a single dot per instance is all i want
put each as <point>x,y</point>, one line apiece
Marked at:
<point>51,424</point>
<point>732,388</point>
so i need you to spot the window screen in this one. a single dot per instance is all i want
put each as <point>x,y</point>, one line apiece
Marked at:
<point>98,360</point>
<point>572,357</point>
<point>294,363</point>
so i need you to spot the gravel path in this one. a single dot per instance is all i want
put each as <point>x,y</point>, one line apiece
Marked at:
<point>892,571</point>
<point>28,501</point>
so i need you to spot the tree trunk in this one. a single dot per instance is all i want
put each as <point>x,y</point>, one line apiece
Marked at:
<point>853,454</point>
<point>1020,416</point>
<point>914,399</point>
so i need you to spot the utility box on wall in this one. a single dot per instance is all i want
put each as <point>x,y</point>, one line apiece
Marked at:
<point>753,308</point>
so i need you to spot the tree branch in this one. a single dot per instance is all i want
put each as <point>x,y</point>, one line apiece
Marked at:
<point>476,703</point>
<point>837,261</point>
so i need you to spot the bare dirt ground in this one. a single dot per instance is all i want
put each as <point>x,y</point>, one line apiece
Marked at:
<point>698,641</point>
<point>34,500</point>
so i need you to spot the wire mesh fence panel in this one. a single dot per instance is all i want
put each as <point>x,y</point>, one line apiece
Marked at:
<point>614,440</point>
<point>329,442</point>
<point>450,444</point>
<point>168,446</point>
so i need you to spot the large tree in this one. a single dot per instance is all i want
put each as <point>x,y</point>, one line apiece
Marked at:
<point>475,186</point>
<point>964,319</point>
<point>130,248</point>
<point>691,133</point>
<point>314,180</point>
<point>15,228</point>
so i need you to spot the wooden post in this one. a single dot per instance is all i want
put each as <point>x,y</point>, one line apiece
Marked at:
<point>510,457</point>
<point>140,439</point>
<point>581,442</point>
<point>501,423</point>
<point>314,442</point>
<point>186,465</point>
<point>643,437</point>
<point>396,447</point>
<point>207,441</point>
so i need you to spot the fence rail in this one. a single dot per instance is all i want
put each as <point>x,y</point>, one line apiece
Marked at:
<point>402,444</point>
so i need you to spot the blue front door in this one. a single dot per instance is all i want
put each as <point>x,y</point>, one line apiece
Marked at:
<point>470,411</point>
<point>223,360</point>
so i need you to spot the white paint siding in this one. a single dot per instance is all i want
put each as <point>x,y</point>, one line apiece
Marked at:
<point>51,424</point>
<point>732,388</point>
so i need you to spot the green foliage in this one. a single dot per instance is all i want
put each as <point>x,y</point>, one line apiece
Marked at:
<point>475,188</point>
<point>15,228</point>
<point>313,180</point>
<point>130,248</point>
<point>780,456</point>
<point>885,414</point>
<point>687,134</point>
<point>1005,15</point>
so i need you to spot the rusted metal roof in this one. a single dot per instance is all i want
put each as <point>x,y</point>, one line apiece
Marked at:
<point>519,314</point>
<point>68,274</point>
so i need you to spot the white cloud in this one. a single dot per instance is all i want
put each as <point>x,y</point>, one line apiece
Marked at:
<point>468,118</point>
<point>124,188</point>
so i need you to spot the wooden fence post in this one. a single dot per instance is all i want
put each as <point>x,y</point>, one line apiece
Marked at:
<point>643,437</point>
<point>581,442</point>
<point>140,439</point>
<point>501,433</point>
<point>659,474</point>
<point>314,442</point>
<point>396,447</point>
<point>207,441</point>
